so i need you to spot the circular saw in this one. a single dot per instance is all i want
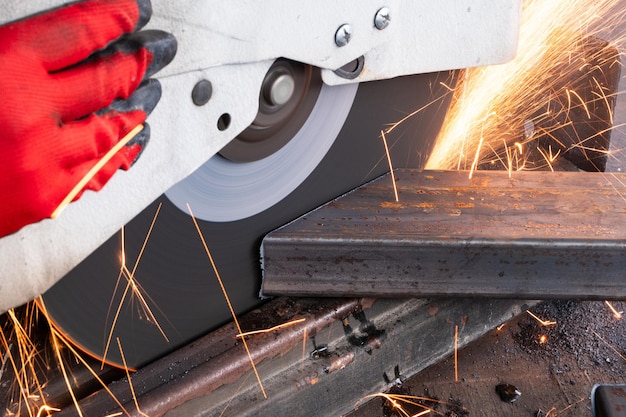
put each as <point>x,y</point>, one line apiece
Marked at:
<point>152,285</point>
<point>265,116</point>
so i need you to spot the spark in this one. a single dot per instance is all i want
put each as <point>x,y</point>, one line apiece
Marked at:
<point>492,105</point>
<point>132,286</point>
<point>46,409</point>
<point>609,345</point>
<point>476,155</point>
<point>617,191</point>
<point>5,359</point>
<point>230,306</point>
<point>94,170</point>
<point>57,351</point>
<point>456,353</point>
<point>399,400</point>
<point>550,158</point>
<point>509,158</point>
<point>553,412</point>
<point>570,406</point>
<point>235,394</point>
<point>512,162</point>
<point>616,314</point>
<point>59,340</point>
<point>393,179</point>
<point>545,323</point>
<point>130,382</point>
<point>28,358</point>
<point>500,327</point>
<point>604,98</point>
<point>303,348</point>
<point>582,102</point>
<point>418,111</point>
<point>24,362</point>
<point>272,329</point>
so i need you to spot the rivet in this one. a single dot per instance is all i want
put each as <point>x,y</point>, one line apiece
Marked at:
<point>201,93</point>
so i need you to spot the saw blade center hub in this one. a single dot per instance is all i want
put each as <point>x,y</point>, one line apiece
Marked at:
<point>279,89</point>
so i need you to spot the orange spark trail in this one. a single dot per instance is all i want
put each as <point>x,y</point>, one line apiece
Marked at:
<point>57,351</point>
<point>133,286</point>
<point>393,179</point>
<point>94,170</point>
<point>130,382</point>
<point>397,400</point>
<point>616,314</point>
<point>26,362</point>
<point>456,353</point>
<point>545,323</point>
<point>494,103</point>
<point>272,329</point>
<point>46,409</point>
<point>60,340</point>
<point>230,306</point>
<point>609,345</point>
<point>234,395</point>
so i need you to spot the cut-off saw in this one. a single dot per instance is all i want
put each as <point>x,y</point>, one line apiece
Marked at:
<point>269,110</point>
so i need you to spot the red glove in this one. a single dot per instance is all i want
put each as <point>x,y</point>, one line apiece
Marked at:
<point>66,80</point>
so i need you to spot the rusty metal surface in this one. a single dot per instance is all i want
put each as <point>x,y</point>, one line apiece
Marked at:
<point>215,360</point>
<point>347,347</point>
<point>608,400</point>
<point>535,235</point>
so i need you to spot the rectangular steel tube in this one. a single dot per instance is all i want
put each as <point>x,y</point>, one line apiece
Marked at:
<point>534,235</point>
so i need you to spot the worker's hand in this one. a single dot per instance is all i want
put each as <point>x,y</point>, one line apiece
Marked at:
<point>69,82</point>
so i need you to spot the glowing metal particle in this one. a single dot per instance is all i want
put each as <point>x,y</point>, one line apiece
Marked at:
<point>94,170</point>
<point>556,57</point>
<point>133,287</point>
<point>130,382</point>
<point>230,306</point>
<point>393,179</point>
<point>272,329</point>
<point>609,345</point>
<point>456,353</point>
<point>617,314</point>
<point>546,323</point>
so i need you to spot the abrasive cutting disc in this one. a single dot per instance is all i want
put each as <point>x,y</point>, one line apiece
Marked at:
<point>175,296</point>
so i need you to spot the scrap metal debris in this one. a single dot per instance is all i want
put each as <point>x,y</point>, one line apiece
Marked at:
<point>508,393</point>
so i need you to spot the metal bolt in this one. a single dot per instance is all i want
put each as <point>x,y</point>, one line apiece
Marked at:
<point>382,18</point>
<point>343,35</point>
<point>280,90</point>
<point>202,92</point>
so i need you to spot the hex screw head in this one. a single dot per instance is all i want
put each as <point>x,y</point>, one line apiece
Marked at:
<point>382,18</point>
<point>343,35</point>
<point>202,92</point>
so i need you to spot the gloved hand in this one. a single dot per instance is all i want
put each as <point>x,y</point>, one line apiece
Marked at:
<point>69,83</point>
